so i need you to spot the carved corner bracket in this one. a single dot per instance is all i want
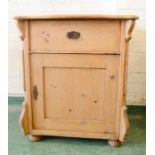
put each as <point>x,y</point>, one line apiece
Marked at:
<point>124,126</point>
<point>23,120</point>
<point>21,27</point>
<point>129,28</point>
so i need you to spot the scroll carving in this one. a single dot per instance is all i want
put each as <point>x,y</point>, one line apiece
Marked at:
<point>129,28</point>
<point>124,124</point>
<point>23,120</point>
<point>21,27</point>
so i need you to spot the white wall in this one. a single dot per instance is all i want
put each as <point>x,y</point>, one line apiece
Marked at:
<point>136,80</point>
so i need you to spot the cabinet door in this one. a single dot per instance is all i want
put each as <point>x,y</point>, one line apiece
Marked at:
<point>73,92</point>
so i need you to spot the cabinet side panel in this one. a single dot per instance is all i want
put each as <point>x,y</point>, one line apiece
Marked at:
<point>27,75</point>
<point>122,117</point>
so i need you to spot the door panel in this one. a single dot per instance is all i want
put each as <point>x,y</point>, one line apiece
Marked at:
<point>75,92</point>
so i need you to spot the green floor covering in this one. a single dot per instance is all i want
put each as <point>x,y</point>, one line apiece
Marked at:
<point>20,145</point>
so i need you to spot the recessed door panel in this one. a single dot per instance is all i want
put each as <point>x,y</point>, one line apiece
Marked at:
<point>73,93</point>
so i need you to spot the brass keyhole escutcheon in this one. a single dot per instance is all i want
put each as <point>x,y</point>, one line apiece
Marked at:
<point>73,35</point>
<point>35,93</point>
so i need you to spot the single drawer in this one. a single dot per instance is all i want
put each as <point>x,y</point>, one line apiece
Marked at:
<point>74,36</point>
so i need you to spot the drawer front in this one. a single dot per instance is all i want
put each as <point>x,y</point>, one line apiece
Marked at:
<point>74,93</point>
<point>74,36</point>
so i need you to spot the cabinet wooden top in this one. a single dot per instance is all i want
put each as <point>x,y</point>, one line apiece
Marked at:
<point>63,17</point>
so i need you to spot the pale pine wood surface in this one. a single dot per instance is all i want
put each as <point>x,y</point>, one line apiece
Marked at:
<point>61,17</point>
<point>70,93</point>
<point>75,89</point>
<point>51,36</point>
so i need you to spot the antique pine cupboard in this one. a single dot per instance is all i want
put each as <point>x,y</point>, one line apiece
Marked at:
<point>75,73</point>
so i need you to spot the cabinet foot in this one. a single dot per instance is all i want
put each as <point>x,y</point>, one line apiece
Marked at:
<point>114,143</point>
<point>34,138</point>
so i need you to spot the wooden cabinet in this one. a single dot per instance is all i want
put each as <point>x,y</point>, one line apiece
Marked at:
<point>75,72</point>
